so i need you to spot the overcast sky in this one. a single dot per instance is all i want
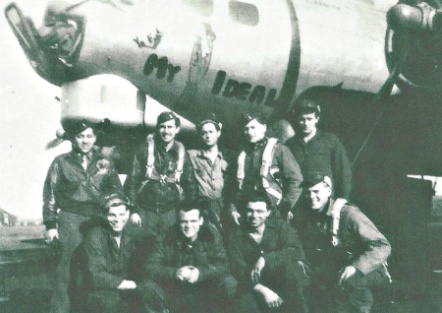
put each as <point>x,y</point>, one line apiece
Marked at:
<point>29,117</point>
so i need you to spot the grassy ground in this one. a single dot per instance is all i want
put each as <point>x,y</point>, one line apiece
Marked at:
<point>13,237</point>
<point>29,294</point>
<point>29,231</point>
<point>25,284</point>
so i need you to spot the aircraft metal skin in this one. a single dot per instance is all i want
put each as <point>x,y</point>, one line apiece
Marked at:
<point>228,57</point>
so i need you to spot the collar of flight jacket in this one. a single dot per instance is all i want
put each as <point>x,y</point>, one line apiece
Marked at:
<point>260,144</point>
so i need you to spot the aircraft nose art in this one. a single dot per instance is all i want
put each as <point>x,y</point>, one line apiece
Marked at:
<point>52,49</point>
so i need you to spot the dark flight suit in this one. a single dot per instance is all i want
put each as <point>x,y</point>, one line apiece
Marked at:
<point>212,291</point>
<point>107,267</point>
<point>78,194</point>
<point>360,244</point>
<point>156,198</point>
<point>324,153</point>
<point>284,176</point>
<point>281,249</point>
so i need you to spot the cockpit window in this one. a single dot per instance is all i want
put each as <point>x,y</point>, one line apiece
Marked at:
<point>201,7</point>
<point>243,13</point>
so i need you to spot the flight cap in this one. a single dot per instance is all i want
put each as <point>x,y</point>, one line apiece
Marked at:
<point>307,106</point>
<point>115,200</point>
<point>167,116</point>
<point>73,128</point>
<point>247,118</point>
<point>315,178</point>
<point>210,118</point>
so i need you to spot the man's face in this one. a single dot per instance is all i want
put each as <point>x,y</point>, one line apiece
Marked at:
<point>307,123</point>
<point>256,213</point>
<point>84,141</point>
<point>117,217</point>
<point>318,196</point>
<point>210,134</point>
<point>168,130</point>
<point>190,223</point>
<point>255,131</point>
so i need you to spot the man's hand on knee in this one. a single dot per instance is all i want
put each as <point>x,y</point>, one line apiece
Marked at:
<point>51,234</point>
<point>183,273</point>
<point>135,219</point>
<point>188,274</point>
<point>127,285</point>
<point>272,299</point>
<point>194,275</point>
<point>347,272</point>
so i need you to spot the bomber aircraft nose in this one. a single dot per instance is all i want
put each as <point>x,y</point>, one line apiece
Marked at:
<point>51,48</point>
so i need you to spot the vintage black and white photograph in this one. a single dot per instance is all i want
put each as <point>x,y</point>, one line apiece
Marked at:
<point>221,156</point>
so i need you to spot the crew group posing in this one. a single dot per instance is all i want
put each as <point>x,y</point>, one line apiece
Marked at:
<point>232,232</point>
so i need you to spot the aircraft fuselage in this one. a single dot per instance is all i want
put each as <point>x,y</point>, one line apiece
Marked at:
<point>225,57</point>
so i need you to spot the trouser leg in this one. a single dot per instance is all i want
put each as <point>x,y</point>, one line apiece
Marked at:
<point>168,298</point>
<point>115,301</point>
<point>218,296</point>
<point>107,302</point>
<point>288,281</point>
<point>149,222</point>
<point>166,220</point>
<point>320,300</point>
<point>154,296</point>
<point>156,224</point>
<point>294,285</point>
<point>212,211</point>
<point>70,238</point>
<point>184,298</point>
<point>247,302</point>
<point>355,295</point>
<point>143,248</point>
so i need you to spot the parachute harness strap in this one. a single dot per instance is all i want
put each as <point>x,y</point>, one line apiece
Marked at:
<point>180,163</point>
<point>267,158</point>
<point>150,155</point>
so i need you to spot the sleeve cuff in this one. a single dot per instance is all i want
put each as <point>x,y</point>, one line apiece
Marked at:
<point>203,273</point>
<point>364,270</point>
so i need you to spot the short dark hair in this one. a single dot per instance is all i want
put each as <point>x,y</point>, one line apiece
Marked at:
<point>189,205</point>
<point>74,127</point>
<point>256,196</point>
<point>247,118</point>
<point>115,200</point>
<point>307,106</point>
<point>210,118</point>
